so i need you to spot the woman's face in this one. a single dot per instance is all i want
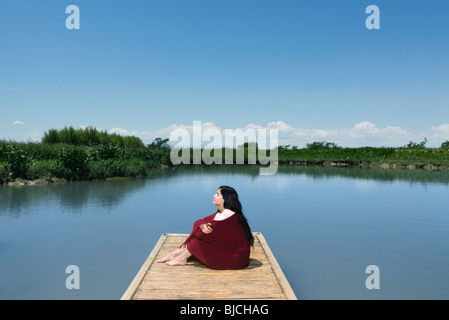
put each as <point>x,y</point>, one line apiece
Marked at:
<point>218,199</point>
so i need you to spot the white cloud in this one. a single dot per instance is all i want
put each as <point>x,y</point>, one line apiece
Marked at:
<point>438,135</point>
<point>367,134</point>
<point>364,133</point>
<point>441,131</point>
<point>361,134</point>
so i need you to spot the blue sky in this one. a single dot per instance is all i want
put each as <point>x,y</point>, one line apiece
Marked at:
<point>309,68</point>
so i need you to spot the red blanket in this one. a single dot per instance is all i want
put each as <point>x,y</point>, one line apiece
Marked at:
<point>226,247</point>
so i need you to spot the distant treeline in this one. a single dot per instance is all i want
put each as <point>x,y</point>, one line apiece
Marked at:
<point>90,136</point>
<point>407,156</point>
<point>411,155</point>
<point>89,154</point>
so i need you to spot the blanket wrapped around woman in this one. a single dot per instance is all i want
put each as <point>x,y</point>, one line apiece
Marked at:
<point>226,247</point>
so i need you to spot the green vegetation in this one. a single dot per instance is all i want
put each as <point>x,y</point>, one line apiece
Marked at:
<point>414,155</point>
<point>321,145</point>
<point>89,154</point>
<point>83,154</point>
<point>89,136</point>
<point>445,145</point>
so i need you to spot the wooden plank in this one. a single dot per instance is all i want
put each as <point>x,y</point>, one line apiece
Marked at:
<point>162,295</point>
<point>262,279</point>
<point>128,295</point>
<point>277,269</point>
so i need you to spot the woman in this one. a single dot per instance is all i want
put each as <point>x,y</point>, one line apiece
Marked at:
<point>221,240</point>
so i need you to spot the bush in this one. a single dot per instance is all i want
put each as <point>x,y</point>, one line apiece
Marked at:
<point>4,172</point>
<point>321,145</point>
<point>445,145</point>
<point>46,169</point>
<point>89,136</point>
<point>74,159</point>
<point>103,169</point>
<point>16,159</point>
<point>415,145</point>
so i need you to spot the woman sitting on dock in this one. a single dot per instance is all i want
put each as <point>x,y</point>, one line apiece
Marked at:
<point>221,240</point>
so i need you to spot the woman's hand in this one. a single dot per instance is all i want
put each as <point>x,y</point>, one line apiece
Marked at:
<point>206,228</point>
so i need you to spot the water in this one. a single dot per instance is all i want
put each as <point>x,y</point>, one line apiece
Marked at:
<point>324,225</point>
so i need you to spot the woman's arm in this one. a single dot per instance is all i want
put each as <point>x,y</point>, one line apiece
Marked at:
<point>196,228</point>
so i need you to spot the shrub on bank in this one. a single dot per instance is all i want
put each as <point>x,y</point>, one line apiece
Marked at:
<point>4,172</point>
<point>322,145</point>
<point>46,169</point>
<point>89,136</point>
<point>74,159</point>
<point>16,159</point>
<point>103,169</point>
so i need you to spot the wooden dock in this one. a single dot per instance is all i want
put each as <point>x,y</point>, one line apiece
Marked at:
<point>262,279</point>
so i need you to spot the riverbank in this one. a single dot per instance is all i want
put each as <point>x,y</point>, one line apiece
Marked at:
<point>403,158</point>
<point>40,181</point>
<point>39,163</point>
<point>27,182</point>
<point>419,166</point>
<point>42,163</point>
<point>411,167</point>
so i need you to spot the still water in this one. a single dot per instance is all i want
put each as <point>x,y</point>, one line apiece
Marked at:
<point>324,225</point>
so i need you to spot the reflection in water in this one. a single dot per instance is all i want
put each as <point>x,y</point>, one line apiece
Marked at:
<point>315,172</point>
<point>377,174</point>
<point>110,193</point>
<point>74,195</point>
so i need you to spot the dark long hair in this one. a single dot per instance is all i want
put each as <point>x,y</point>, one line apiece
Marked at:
<point>232,202</point>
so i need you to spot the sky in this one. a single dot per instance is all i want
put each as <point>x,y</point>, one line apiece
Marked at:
<point>309,68</point>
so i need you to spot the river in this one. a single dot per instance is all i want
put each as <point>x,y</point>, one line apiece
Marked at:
<point>325,226</point>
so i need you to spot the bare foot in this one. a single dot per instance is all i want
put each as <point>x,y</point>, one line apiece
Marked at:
<point>176,262</point>
<point>171,255</point>
<point>180,260</point>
